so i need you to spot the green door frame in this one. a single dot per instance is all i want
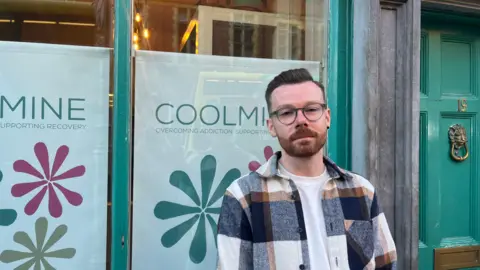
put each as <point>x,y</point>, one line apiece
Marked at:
<point>339,81</point>
<point>121,136</point>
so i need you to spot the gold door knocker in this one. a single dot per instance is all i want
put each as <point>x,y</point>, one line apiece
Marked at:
<point>458,140</point>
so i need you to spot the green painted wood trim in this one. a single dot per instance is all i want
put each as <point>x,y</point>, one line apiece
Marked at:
<point>445,17</point>
<point>339,80</point>
<point>440,20</point>
<point>121,137</point>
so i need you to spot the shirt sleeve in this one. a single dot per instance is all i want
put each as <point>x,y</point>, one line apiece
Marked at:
<point>234,237</point>
<point>385,251</point>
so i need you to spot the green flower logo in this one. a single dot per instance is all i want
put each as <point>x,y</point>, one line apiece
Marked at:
<point>7,216</point>
<point>38,253</point>
<point>200,211</point>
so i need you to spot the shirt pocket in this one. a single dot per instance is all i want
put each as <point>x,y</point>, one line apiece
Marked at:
<point>360,241</point>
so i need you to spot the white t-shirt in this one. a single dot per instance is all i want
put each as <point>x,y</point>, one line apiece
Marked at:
<point>310,189</point>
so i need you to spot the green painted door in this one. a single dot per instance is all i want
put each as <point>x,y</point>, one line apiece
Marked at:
<point>449,190</point>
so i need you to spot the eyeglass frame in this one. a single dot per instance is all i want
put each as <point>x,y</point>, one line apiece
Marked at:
<point>322,105</point>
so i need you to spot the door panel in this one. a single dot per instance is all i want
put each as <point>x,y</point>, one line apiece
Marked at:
<point>457,55</point>
<point>449,189</point>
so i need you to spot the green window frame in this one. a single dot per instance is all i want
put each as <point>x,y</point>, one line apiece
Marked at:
<point>339,85</point>
<point>339,80</point>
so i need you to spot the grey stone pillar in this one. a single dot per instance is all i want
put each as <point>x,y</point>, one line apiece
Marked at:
<point>386,82</point>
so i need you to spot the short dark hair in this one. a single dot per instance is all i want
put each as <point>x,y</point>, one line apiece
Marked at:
<point>291,76</point>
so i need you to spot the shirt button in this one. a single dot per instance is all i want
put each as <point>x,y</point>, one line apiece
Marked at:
<point>293,197</point>
<point>301,267</point>
<point>299,230</point>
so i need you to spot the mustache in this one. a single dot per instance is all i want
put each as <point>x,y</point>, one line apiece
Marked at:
<point>303,133</point>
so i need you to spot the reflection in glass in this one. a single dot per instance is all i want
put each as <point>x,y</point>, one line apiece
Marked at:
<point>272,29</point>
<point>74,22</point>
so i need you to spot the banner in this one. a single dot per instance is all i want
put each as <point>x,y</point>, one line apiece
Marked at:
<point>54,117</point>
<point>199,125</point>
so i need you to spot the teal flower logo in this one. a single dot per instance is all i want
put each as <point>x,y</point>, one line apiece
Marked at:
<point>7,216</point>
<point>199,212</point>
<point>38,253</point>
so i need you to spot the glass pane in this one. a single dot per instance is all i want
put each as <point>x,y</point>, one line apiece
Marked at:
<point>200,78</point>
<point>54,133</point>
<point>280,29</point>
<point>73,22</point>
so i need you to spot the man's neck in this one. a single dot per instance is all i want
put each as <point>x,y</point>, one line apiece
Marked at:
<point>310,167</point>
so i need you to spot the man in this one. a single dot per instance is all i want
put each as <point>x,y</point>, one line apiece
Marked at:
<point>299,210</point>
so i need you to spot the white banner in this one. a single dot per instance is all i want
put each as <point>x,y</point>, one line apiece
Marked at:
<point>54,109</point>
<point>199,125</point>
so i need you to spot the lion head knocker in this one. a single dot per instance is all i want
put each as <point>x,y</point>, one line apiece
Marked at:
<point>458,139</point>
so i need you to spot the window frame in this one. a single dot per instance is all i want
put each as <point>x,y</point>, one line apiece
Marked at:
<point>338,74</point>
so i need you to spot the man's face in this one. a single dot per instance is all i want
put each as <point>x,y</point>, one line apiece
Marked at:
<point>304,136</point>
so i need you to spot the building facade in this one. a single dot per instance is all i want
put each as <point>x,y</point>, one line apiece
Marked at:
<point>414,127</point>
<point>123,121</point>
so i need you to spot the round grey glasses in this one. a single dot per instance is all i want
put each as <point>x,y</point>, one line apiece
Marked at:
<point>312,112</point>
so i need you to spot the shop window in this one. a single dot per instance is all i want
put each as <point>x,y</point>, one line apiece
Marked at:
<point>55,102</point>
<point>201,69</point>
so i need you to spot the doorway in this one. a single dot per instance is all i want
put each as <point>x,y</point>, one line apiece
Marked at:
<point>449,201</point>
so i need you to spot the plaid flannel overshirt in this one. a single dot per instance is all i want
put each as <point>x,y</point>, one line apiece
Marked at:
<point>261,224</point>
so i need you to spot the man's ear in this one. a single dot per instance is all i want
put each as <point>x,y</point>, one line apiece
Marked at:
<point>327,118</point>
<point>271,128</point>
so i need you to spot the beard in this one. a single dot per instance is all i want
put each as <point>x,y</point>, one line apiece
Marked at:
<point>303,148</point>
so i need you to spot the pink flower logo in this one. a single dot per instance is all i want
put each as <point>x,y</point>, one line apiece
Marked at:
<point>48,181</point>
<point>267,153</point>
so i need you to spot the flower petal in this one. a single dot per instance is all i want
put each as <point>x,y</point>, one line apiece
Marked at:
<point>166,210</point>
<point>23,239</point>
<point>27,264</point>
<point>253,166</point>
<point>198,247</point>
<point>34,203</point>
<point>208,167</point>
<point>227,180</point>
<point>38,265</point>
<point>66,253</point>
<point>60,157</point>
<point>72,197</point>
<point>7,217</point>
<point>59,232</point>
<point>54,205</point>
<point>172,236</point>
<point>213,210</point>
<point>8,256</point>
<point>18,190</point>
<point>213,226</point>
<point>72,173</point>
<point>181,180</point>
<point>41,152</point>
<point>47,265</point>
<point>25,167</point>
<point>267,152</point>
<point>41,227</point>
